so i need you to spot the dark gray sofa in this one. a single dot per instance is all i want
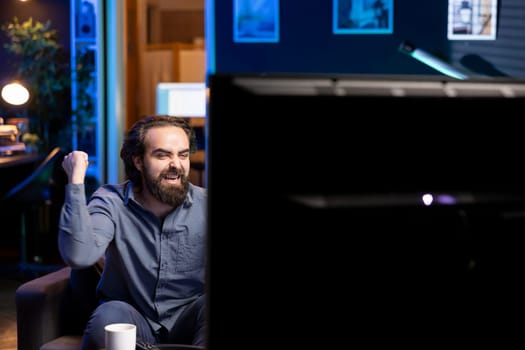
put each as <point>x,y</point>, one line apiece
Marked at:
<point>52,311</point>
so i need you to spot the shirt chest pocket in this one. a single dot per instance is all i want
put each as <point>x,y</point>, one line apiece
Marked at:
<point>190,251</point>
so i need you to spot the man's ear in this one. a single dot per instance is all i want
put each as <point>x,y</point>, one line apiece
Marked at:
<point>137,161</point>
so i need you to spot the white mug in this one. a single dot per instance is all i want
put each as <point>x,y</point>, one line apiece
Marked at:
<point>121,336</point>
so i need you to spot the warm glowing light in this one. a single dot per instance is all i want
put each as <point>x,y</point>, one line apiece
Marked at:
<point>15,94</point>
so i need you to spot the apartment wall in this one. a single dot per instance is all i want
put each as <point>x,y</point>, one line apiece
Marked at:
<point>506,54</point>
<point>307,43</point>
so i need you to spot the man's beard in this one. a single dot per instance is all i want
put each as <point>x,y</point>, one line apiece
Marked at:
<point>173,195</point>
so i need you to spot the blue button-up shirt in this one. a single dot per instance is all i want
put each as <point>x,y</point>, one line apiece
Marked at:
<point>155,265</point>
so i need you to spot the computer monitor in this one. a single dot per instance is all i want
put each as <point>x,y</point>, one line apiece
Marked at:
<point>181,99</point>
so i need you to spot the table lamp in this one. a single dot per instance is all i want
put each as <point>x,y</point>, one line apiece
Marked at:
<point>15,93</point>
<point>16,96</point>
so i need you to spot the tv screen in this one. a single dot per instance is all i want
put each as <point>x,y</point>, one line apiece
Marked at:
<point>363,198</point>
<point>372,136</point>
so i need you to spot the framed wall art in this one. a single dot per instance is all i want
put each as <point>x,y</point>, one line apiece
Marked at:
<point>363,16</point>
<point>256,21</point>
<point>472,19</point>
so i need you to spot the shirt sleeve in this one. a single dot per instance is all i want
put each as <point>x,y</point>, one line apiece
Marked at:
<point>79,240</point>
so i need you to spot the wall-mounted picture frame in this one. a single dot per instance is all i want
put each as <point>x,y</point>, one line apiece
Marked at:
<point>472,19</point>
<point>256,21</point>
<point>363,16</point>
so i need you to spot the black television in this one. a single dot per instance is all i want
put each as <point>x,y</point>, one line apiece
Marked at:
<point>339,204</point>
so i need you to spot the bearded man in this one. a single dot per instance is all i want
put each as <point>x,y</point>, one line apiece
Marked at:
<point>150,231</point>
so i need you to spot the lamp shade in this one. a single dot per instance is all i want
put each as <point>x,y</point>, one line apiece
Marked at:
<point>15,93</point>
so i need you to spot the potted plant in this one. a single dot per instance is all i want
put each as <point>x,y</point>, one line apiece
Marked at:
<point>31,141</point>
<point>44,66</point>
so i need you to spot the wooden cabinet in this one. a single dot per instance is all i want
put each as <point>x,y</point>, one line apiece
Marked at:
<point>166,63</point>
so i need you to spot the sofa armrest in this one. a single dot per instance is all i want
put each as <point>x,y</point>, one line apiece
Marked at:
<point>39,309</point>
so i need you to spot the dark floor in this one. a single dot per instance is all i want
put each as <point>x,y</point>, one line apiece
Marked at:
<point>10,279</point>
<point>8,314</point>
